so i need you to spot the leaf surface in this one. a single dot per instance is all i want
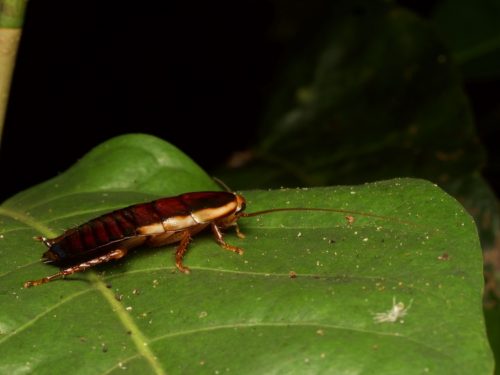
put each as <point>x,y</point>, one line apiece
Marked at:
<point>301,299</point>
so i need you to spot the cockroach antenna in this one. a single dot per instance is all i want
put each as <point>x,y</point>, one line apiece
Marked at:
<point>222,184</point>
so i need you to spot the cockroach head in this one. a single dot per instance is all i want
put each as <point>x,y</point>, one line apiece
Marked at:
<point>241,204</point>
<point>237,208</point>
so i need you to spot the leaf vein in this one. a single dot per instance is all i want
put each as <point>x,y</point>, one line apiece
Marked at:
<point>26,219</point>
<point>294,324</point>
<point>139,339</point>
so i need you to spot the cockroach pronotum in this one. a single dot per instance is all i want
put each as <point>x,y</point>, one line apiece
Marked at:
<point>160,222</point>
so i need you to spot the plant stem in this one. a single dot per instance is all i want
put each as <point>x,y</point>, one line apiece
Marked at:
<point>11,22</point>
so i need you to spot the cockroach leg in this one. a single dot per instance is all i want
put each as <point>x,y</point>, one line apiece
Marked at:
<point>238,231</point>
<point>112,255</point>
<point>181,250</point>
<point>220,240</point>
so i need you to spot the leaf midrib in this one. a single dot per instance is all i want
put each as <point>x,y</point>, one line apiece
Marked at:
<point>138,338</point>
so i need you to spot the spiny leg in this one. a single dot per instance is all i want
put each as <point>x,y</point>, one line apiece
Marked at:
<point>181,250</point>
<point>220,240</point>
<point>112,255</point>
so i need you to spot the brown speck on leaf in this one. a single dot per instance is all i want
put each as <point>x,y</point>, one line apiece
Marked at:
<point>109,286</point>
<point>292,274</point>
<point>104,348</point>
<point>444,256</point>
<point>136,292</point>
<point>350,219</point>
<point>118,297</point>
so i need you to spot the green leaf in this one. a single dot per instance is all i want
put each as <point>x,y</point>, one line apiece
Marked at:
<point>300,300</point>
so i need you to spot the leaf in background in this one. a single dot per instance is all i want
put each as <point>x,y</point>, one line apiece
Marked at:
<point>300,300</point>
<point>374,96</point>
<point>472,31</point>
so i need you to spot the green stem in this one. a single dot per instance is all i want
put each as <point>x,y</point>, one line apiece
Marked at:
<point>11,22</point>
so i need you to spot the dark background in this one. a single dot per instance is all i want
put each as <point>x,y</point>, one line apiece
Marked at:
<point>86,73</point>
<point>197,75</point>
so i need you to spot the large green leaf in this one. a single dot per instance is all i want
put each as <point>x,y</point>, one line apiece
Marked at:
<point>300,300</point>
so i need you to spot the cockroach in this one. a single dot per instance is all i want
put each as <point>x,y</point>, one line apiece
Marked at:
<point>157,223</point>
<point>160,222</point>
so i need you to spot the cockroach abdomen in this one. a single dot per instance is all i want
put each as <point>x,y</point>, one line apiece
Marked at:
<point>54,254</point>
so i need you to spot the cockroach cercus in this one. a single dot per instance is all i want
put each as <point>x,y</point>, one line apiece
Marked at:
<point>160,222</point>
